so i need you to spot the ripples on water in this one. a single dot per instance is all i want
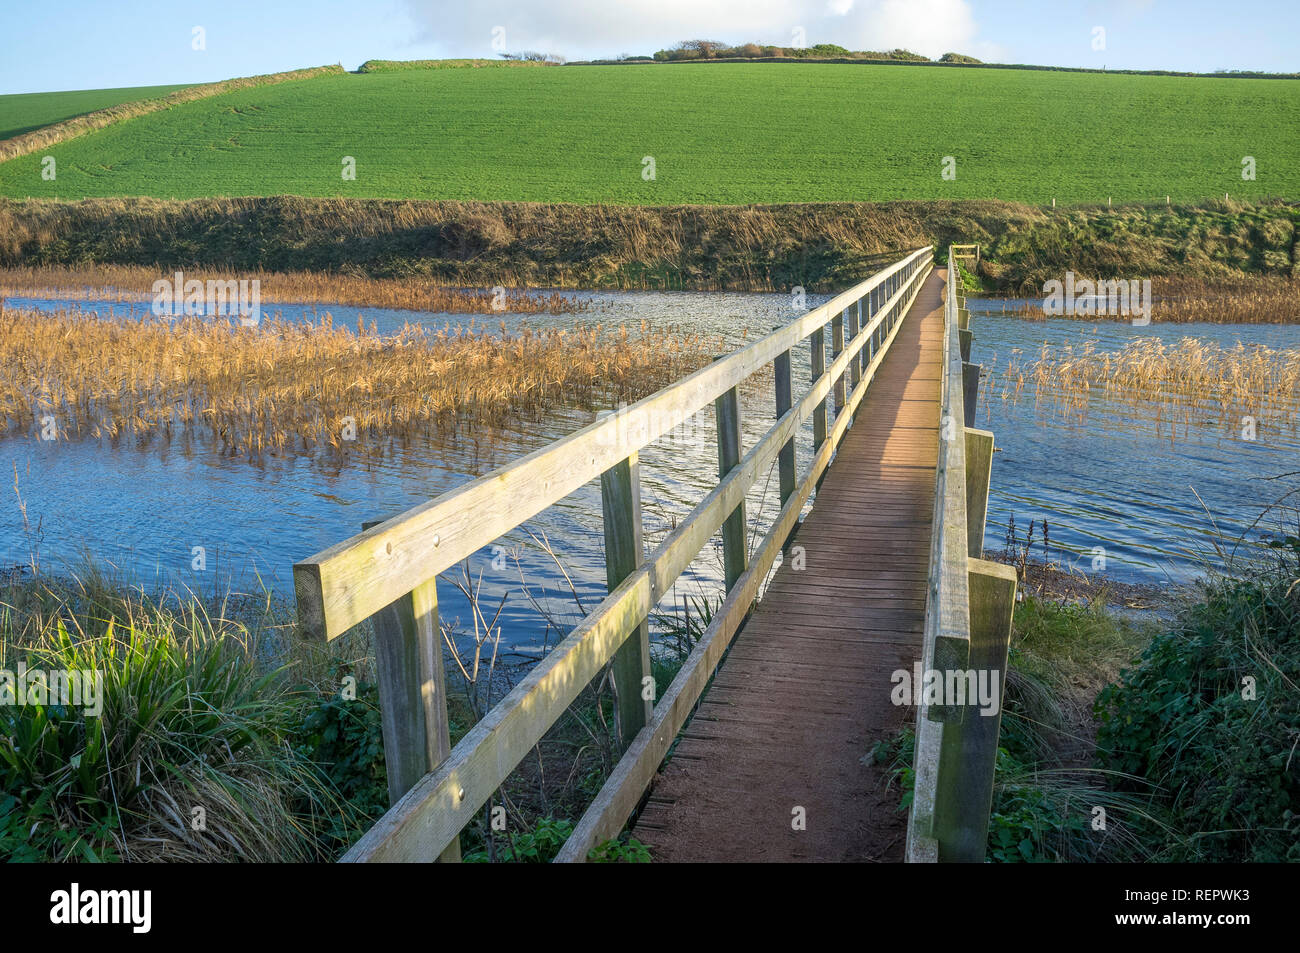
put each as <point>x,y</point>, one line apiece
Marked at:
<point>1110,480</point>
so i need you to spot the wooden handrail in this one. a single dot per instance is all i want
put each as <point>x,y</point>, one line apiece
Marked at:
<point>348,582</point>
<point>351,581</point>
<point>967,616</point>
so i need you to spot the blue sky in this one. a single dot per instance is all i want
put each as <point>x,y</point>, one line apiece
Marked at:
<point>82,44</point>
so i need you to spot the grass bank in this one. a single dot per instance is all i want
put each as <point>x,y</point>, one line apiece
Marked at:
<point>821,247</point>
<point>456,134</point>
<point>57,133</point>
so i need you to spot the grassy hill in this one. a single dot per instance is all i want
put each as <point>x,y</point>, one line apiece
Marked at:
<point>23,112</point>
<point>718,134</point>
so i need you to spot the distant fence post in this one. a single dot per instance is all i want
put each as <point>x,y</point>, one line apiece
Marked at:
<point>620,499</point>
<point>412,692</point>
<point>734,557</point>
<point>963,797</point>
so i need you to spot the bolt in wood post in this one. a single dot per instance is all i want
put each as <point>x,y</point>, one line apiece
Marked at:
<point>412,692</point>
<point>964,789</point>
<point>620,499</point>
<point>734,557</point>
<point>979,471</point>
<point>837,348</point>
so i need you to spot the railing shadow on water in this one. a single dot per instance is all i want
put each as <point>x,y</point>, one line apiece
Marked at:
<point>388,574</point>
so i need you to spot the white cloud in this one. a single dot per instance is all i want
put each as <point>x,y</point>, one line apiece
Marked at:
<point>601,28</point>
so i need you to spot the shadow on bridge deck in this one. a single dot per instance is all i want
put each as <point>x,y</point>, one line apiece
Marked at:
<point>791,717</point>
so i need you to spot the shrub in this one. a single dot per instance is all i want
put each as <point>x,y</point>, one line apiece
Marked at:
<point>1211,714</point>
<point>185,761</point>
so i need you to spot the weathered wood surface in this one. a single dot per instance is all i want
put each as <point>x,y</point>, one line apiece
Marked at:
<point>805,691</point>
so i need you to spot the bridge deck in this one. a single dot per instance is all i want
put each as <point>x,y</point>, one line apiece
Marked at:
<point>804,693</point>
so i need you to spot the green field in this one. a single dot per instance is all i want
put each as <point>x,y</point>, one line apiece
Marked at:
<point>726,134</point>
<point>23,112</point>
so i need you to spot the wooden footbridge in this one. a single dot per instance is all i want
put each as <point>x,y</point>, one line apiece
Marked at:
<point>774,714</point>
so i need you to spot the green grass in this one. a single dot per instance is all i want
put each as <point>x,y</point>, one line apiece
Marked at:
<point>719,134</point>
<point>23,112</point>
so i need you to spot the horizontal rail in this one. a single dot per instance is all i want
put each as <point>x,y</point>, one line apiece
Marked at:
<point>351,581</point>
<point>620,794</point>
<point>431,814</point>
<point>946,641</point>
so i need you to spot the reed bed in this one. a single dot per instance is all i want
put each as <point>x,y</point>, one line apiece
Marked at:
<point>134,283</point>
<point>290,387</point>
<point>1190,382</point>
<point>1262,299</point>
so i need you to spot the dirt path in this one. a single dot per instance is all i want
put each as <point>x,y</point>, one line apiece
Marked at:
<point>804,694</point>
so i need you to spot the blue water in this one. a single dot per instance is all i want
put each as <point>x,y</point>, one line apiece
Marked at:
<point>1113,480</point>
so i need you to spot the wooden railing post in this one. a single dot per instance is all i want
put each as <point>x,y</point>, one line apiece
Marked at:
<point>412,692</point>
<point>620,500</point>
<point>970,388</point>
<point>784,401</point>
<point>837,348</point>
<point>734,556</point>
<point>964,793</point>
<point>855,367</point>
<point>979,471</point>
<point>818,355</point>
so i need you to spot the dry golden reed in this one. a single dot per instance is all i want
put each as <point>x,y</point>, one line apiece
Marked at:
<point>290,387</point>
<point>134,283</point>
<point>1259,299</point>
<point>1192,381</point>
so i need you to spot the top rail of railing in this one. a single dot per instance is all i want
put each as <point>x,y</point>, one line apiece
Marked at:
<point>947,612</point>
<point>351,581</point>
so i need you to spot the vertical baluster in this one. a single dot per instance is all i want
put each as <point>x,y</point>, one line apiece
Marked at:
<point>734,556</point>
<point>412,692</point>
<point>620,497</point>
<point>855,367</point>
<point>784,400</point>
<point>837,348</point>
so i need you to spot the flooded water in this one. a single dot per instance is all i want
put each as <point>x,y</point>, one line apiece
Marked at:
<point>1112,480</point>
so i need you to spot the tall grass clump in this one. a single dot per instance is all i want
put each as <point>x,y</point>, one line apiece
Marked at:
<point>287,387</point>
<point>1210,717</point>
<point>189,757</point>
